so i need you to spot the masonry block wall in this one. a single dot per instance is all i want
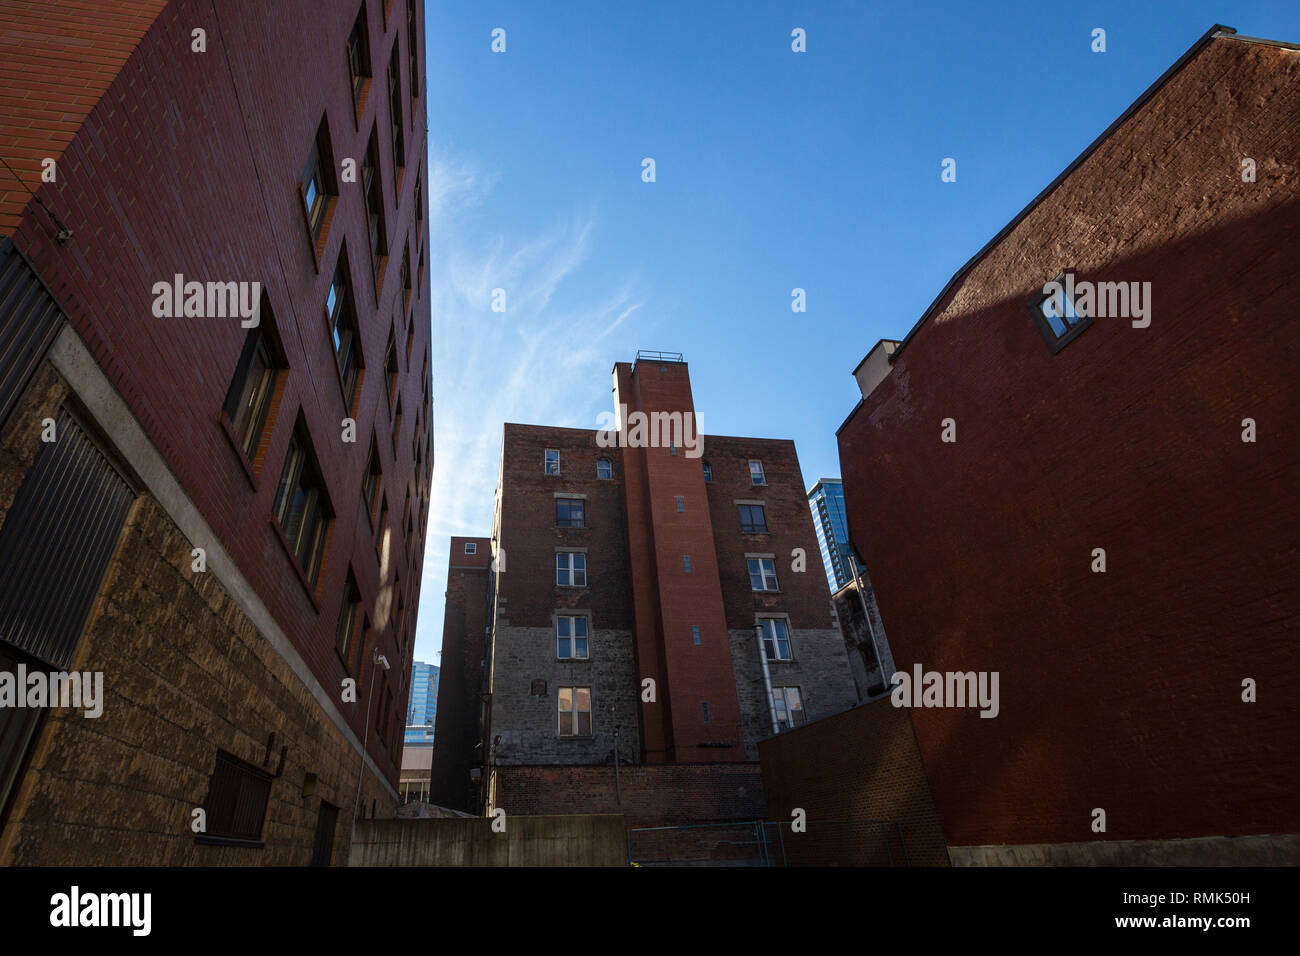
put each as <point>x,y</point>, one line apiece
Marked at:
<point>860,765</point>
<point>464,632</point>
<point>186,671</point>
<point>1120,690</point>
<point>189,164</point>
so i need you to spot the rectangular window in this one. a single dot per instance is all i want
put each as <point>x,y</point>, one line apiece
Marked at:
<point>575,711</point>
<point>756,473</point>
<point>788,704</point>
<point>569,512</point>
<point>776,639</point>
<point>317,182</point>
<point>552,463</point>
<point>301,506</point>
<point>708,472</point>
<point>373,193</point>
<point>705,707</point>
<point>341,312</point>
<point>236,802</point>
<point>686,563</point>
<point>752,519</point>
<point>695,633</point>
<point>762,574</point>
<point>370,484</point>
<point>571,638</point>
<point>570,569</point>
<point>248,400</point>
<point>390,369</point>
<point>1057,316</point>
<point>395,108</point>
<point>681,506</point>
<point>359,58</point>
<point>323,848</point>
<point>471,547</point>
<point>346,628</point>
<point>412,55</point>
<point>604,469</point>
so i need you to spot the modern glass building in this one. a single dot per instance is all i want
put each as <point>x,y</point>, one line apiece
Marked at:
<point>827,503</point>
<point>424,704</point>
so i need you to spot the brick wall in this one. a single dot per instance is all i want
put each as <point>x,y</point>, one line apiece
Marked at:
<point>1119,690</point>
<point>185,673</point>
<point>189,163</point>
<point>859,765</point>
<point>652,795</point>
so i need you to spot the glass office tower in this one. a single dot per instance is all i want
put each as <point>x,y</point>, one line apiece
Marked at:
<point>827,503</point>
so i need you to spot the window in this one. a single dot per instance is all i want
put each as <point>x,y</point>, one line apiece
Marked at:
<point>569,512</point>
<point>672,448</point>
<point>341,312</point>
<point>762,574</point>
<point>1057,316</point>
<point>326,821</point>
<point>381,532</point>
<point>248,400</point>
<point>571,638</point>
<point>390,369</point>
<point>301,506</point>
<point>236,802</point>
<point>756,473</point>
<point>570,569</point>
<point>552,463</point>
<point>776,639</point>
<point>412,57</point>
<point>419,207</point>
<point>695,633</point>
<point>471,547</point>
<point>604,469</point>
<point>704,705</point>
<point>788,704</point>
<point>395,109</point>
<point>374,196</point>
<point>406,280</point>
<point>408,524</point>
<point>359,59</point>
<point>752,519</point>
<point>346,628</point>
<point>680,505</point>
<point>575,711</point>
<point>370,484</point>
<point>686,563</point>
<point>318,186</point>
<point>708,472</point>
<point>397,425</point>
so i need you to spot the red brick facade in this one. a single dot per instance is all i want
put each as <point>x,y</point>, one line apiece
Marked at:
<point>188,163</point>
<point>1123,690</point>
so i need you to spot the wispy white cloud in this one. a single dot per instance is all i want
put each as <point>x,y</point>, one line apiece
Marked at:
<point>543,360</point>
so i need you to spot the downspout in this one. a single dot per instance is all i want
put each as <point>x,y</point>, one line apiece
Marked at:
<point>767,679</point>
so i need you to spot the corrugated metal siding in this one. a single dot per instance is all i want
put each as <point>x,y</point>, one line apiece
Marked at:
<point>29,321</point>
<point>56,543</point>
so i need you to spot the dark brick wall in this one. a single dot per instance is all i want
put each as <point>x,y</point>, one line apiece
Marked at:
<point>652,795</point>
<point>456,723</point>
<point>1121,690</point>
<point>859,765</point>
<point>189,163</point>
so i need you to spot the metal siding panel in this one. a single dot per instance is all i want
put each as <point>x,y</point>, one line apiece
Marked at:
<point>29,321</point>
<point>56,543</point>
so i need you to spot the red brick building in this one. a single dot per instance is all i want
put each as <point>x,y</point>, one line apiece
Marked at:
<point>1105,509</point>
<point>215,421</point>
<point>639,571</point>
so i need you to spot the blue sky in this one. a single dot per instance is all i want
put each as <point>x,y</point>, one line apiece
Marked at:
<point>775,170</point>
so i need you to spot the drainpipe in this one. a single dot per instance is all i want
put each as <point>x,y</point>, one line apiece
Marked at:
<point>866,613</point>
<point>767,679</point>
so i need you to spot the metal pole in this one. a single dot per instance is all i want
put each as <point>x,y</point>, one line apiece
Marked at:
<point>767,678</point>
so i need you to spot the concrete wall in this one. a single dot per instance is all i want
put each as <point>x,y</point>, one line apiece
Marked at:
<point>527,841</point>
<point>1263,850</point>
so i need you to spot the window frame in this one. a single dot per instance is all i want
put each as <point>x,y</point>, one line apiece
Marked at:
<point>762,476</point>
<point>1055,343</point>
<point>573,712</point>
<point>302,472</point>
<point>788,723</point>
<point>750,527</point>
<point>471,547</point>
<point>581,507</point>
<point>573,637</point>
<point>776,640</point>
<point>608,468</point>
<point>546,462</point>
<point>570,568</point>
<point>766,566</point>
